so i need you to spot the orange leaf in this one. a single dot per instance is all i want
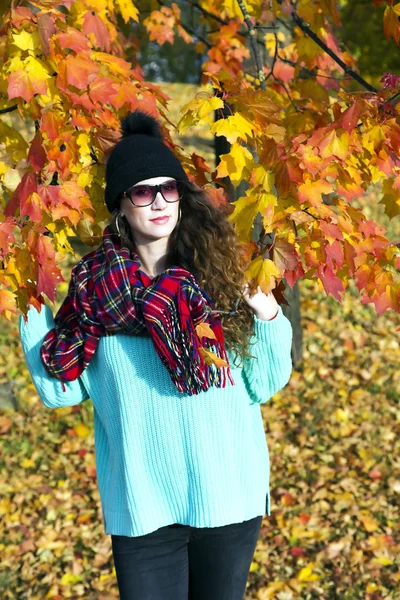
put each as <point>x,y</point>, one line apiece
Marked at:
<point>212,359</point>
<point>204,330</point>
<point>7,301</point>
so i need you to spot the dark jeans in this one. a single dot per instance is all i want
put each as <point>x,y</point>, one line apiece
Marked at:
<point>179,562</point>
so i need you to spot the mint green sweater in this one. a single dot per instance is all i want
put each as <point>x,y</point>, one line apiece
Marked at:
<point>163,457</point>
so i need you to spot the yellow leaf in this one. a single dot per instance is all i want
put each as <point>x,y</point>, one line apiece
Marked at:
<point>306,574</point>
<point>128,10</point>
<point>236,165</point>
<point>70,579</point>
<point>369,523</point>
<point>83,141</point>
<point>81,430</point>
<point>371,587</point>
<point>311,191</point>
<point>204,330</point>
<point>246,209</point>
<point>212,359</point>
<point>199,109</point>
<point>233,127</point>
<point>385,561</point>
<point>27,463</point>
<point>335,145</point>
<point>263,272</point>
<point>232,10</point>
<point>7,302</point>
<point>262,177</point>
<point>26,41</point>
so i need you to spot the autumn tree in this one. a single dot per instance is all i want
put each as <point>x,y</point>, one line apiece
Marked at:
<point>306,132</point>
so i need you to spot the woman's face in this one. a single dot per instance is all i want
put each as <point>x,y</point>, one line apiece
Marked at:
<point>153,222</point>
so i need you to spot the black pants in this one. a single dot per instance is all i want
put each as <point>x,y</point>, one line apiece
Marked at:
<point>179,562</point>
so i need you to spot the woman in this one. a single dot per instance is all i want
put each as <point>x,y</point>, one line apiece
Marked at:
<point>181,457</point>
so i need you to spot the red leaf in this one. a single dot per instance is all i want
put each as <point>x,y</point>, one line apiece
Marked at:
<point>49,275</point>
<point>292,276</point>
<point>46,29</point>
<point>350,117</point>
<point>332,284</point>
<point>6,236</point>
<point>51,125</point>
<point>32,207</point>
<point>78,71</point>
<point>72,39</point>
<point>296,551</point>
<point>37,155</point>
<point>92,23</point>
<point>26,186</point>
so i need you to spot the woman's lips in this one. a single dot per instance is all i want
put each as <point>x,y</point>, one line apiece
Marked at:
<point>160,220</point>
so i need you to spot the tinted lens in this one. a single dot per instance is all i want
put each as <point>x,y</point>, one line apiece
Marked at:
<point>141,195</point>
<point>170,191</point>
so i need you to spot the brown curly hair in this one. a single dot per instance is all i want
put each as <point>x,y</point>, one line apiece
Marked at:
<point>205,243</point>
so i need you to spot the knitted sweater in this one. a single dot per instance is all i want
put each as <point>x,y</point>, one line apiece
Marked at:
<point>164,457</point>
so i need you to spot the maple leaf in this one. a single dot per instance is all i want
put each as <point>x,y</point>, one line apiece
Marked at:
<point>233,127</point>
<point>37,155</point>
<point>350,117</point>
<point>46,28</point>
<point>332,284</point>
<point>128,10</point>
<point>7,303</point>
<point>26,186</point>
<point>29,78</point>
<point>78,70</point>
<point>94,24</point>
<point>247,208</point>
<point>198,109</point>
<point>391,197</point>
<point>237,164</point>
<point>264,273</point>
<point>391,25</point>
<point>210,358</point>
<point>311,191</point>
<point>284,255</point>
<point>204,330</point>
<point>72,39</point>
<point>6,236</point>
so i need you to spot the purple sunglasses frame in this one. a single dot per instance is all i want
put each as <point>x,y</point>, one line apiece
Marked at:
<point>154,189</point>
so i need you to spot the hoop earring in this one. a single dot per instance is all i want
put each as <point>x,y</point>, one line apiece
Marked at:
<point>117,224</point>
<point>179,218</point>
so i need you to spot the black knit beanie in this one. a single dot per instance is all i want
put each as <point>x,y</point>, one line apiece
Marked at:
<point>140,154</point>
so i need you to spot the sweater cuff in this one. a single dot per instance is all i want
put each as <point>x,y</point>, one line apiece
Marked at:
<point>37,325</point>
<point>267,330</point>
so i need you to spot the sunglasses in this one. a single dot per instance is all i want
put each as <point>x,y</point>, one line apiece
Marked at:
<point>144,195</point>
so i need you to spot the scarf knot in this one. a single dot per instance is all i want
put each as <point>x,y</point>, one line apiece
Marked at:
<point>109,294</point>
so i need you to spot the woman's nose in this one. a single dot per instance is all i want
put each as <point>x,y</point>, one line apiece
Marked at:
<point>159,201</point>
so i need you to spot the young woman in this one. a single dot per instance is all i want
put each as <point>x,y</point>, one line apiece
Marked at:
<point>181,456</point>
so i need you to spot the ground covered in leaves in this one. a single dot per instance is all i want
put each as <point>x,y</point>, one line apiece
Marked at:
<point>333,435</point>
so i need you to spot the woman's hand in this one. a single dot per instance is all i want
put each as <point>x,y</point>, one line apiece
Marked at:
<point>264,305</point>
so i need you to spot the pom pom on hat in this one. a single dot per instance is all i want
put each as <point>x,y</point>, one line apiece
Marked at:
<point>140,154</point>
<point>139,122</point>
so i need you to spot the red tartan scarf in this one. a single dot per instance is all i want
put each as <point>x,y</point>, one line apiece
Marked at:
<point>109,294</point>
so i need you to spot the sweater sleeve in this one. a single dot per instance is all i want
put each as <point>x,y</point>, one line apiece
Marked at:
<point>270,369</point>
<point>49,388</point>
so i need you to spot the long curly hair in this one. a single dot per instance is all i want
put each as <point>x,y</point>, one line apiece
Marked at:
<point>205,243</point>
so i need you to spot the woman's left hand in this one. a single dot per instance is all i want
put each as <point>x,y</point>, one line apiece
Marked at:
<point>264,305</point>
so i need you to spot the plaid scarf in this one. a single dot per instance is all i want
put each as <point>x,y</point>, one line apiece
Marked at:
<point>109,294</point>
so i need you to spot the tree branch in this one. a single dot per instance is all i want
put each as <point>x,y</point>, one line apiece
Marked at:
<point>274,59</point>
<point>207,13</point>
<point>253,40</point>
<point>3,111</point>
<point>307,31</point>
<point>188,29</point>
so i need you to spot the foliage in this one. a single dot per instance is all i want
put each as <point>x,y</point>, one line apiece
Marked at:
<point>303,138</point>
<point>361,31</point>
